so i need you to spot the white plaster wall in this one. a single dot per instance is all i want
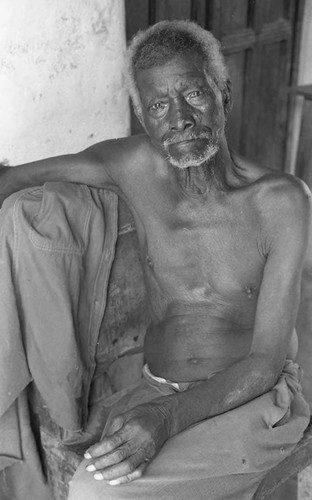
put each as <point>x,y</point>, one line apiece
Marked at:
<point>60,76</point>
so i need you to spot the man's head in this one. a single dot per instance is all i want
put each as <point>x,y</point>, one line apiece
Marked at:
<point>176,74</point>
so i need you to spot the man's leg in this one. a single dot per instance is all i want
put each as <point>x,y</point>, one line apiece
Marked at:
<point>152,486</point>
<point>188,467</point>
<point>222,458</point>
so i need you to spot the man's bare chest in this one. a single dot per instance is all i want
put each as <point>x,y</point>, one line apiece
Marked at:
<point>195,249</point>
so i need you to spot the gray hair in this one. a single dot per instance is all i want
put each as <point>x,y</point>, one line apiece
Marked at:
<point>166,39</point>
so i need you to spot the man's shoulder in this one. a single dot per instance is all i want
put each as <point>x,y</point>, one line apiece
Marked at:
<point>279,189</point>
<point>133,142</point>
<point>283,203</point>
<point>271,186</point>
<point>133,150</point>
<point>274,195</point>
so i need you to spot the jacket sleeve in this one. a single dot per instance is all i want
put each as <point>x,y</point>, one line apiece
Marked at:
<point>14,373</point>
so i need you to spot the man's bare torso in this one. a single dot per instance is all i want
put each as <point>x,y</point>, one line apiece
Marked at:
<point>203,259</point>
<point>203,271</point>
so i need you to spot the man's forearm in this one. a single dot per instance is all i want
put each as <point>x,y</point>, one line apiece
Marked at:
<point>81,168</point>
<point>14,179</point>
<point>86,167</point>
<point>226,390</point>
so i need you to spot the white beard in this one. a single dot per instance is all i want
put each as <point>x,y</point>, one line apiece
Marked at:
<point>193,159</point>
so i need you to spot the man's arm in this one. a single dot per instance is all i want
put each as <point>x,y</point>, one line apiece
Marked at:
<point>285,215</point>
<point>68,168</point>
<point>102,165</point>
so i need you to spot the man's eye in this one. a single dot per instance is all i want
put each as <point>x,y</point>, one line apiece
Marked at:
<point>158,106</point>
<point>195,94</point>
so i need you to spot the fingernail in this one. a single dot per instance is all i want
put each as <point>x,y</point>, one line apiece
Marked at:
<point>87,455</point>
<point>114,482</point>
<point>91,468</point>
<point>98,476</point>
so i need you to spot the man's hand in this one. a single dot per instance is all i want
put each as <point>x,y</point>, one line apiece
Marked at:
<point>132,441</point>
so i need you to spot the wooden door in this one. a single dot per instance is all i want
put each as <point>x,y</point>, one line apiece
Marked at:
<point>258,40</point>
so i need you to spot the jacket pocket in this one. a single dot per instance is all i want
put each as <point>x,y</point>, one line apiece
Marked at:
<point>62,223</point>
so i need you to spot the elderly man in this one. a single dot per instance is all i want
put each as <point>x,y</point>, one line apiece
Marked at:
<point>222,243</point>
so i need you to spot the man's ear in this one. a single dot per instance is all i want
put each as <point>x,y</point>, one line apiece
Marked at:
<point>227,97</point>
<point>139,116</point>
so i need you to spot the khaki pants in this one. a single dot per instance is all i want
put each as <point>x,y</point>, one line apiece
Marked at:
<point>221,458</point>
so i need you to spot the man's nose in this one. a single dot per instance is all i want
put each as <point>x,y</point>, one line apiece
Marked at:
<point>181,117</point>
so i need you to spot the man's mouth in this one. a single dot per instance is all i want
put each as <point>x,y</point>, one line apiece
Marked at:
<point>187,139</point>
<point>184,141</point>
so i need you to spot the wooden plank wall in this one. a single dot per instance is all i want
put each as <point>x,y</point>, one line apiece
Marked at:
<point>257,38</point>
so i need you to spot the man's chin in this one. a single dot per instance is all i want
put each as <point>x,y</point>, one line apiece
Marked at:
<point>187,160</point>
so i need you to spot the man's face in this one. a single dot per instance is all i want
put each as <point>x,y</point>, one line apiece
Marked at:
<point>182,110</point>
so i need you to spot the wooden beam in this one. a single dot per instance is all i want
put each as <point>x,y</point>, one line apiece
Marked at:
<point>238,41</point>
<point>151,12</point>
<point>247,38</point>
<point>194,10</point>
<point>213,17</point>
<point>275,32</point>
<point>303,90</point>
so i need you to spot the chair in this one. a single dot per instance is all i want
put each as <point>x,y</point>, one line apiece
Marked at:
<point>298,462</point>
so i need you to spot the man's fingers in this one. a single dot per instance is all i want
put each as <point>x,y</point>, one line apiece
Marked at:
<point>107,445</point>
<point>126,471</point>
<point>116,471</point>
<point>130,477</point>
<point>115,457</point>
<point>123,469</point>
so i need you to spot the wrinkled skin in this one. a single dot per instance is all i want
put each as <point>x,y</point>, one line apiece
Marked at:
<point>132,441</point>
<point>184,117</point>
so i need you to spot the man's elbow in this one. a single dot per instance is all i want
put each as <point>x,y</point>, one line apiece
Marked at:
<point>266,370</point>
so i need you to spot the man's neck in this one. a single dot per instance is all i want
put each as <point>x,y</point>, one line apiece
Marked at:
<point>211,176</point>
